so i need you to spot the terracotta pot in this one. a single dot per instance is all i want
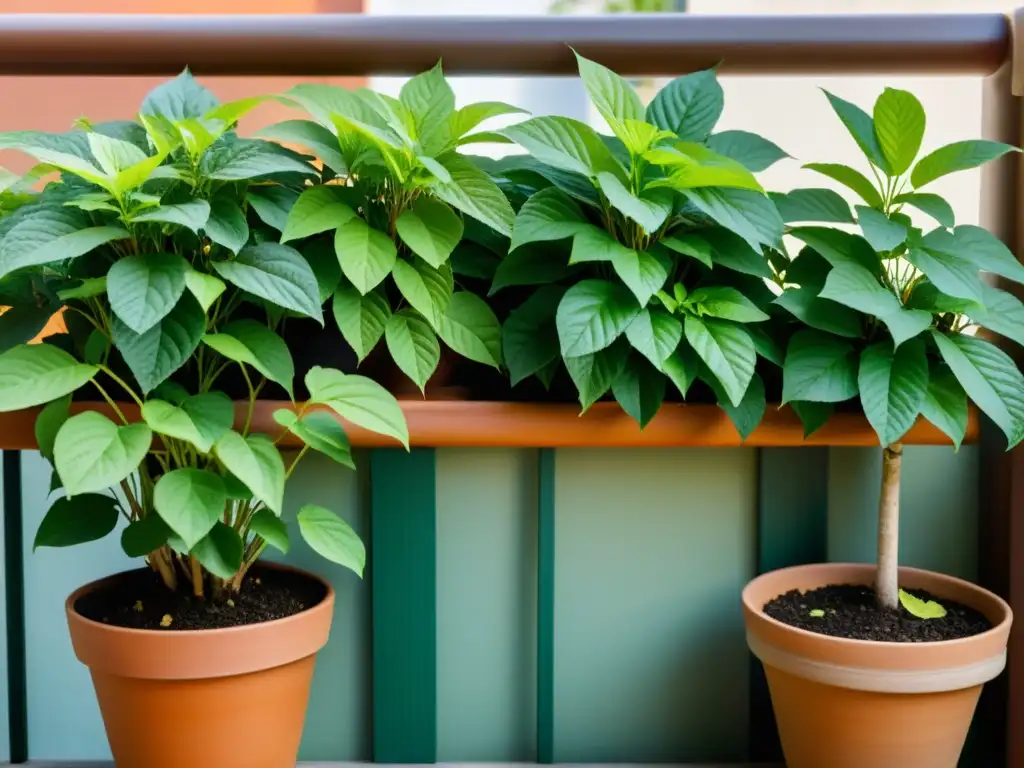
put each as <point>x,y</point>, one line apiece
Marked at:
<point>220,698</point>
<point>853,703</point>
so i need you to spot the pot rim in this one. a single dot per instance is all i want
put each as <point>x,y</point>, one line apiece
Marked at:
<point>995,629</point>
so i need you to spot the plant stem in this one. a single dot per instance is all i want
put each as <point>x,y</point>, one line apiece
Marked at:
<point>197,577</point>
<point>110,401</point>
<point>165,567</point>
<point>124,386</point>
<point>252,400</point>
<point>887,581</point>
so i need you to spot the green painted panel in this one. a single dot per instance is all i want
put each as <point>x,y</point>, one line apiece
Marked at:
<point>938,507</point>
<point>653,550</point>
<point>486,605</point>
<point>5,742</point>
<point>546,606</point>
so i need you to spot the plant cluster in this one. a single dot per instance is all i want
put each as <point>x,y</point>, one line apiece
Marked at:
<point>651,256</point>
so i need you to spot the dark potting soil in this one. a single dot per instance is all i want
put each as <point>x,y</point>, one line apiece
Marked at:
<point>852,612</point>
<point>139,600</point>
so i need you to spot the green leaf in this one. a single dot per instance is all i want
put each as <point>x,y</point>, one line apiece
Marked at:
<point>812,415</point>
<point>272,204</point>
<point>899,127</point>
<point>990,378</point>
<point>48,234</point>
<point>959,156</point>
<point>732,252</point>
<point>933,205</point>
<point>199,419</point>
<point>862,127</point>
<point>474,193</point>
<point>361,319</point>
<point>689,106</point>
<point>91,453</point>
<point>550,214</point>
<point>179,98</point>
<point>358,399</point>
<point>34,374</point>
<point>112,154</point>
<point>979,246</point>
<point>144,289</point>
<point>71,521</point>
<point>529,338</point>
<point>256,462</point>
<point>693,165</point>
<point>649,212</point>
<point>726,349</point>
<point>319,140</point>
<point>470,328</point>
<point>429,99</point>
<point>655,334</point>
<point>565,144</point>
<point>945,404</point>
<point>915,606</point>
<point>682,367</point>
<point>748,414</point>
<point>278,274</point>
<point>143,536</point>
<point>192,215</point>
<point>823,314</point>
<point>839,248</point>
<point>725,303</point>
<point>428,290</point>
<point>594,374</point>
<point>953,274</point>
<point>84,289</point>
<point>640,390</point>
<point>323,261</point>
<point>591,315</point>
<point>366,255</point>
<point>271,529</point>
<point>413,346</point>
<point>190,501</point>
<point>765,344</point>
<point>253,343</point>
<point>317,210</point>
<point>754,152</point>
<point>48,423</point>
<point>534,264</point>
<point>858,289</point>
<point>690,245</point>
<point>879,230</point>
<point>431,230</point>
<point>156,354</point>
<point>332,538</point>
<point>820,368</point>
<point>813,205</point>
<point>893,385</point>
<point>751,215</point>
<point>320,431</point>
<point>243,159</point>
<point>226,224</point>
<point>220,551</point>
<point>613,97</point>
<point>1003,313</point>
<point>852,179</point>
<point>206,288</point>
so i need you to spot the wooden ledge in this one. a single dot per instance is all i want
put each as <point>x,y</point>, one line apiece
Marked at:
<point>477,424</point>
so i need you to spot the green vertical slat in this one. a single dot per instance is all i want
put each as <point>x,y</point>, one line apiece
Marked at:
<point>792,530</point>
<point>403,534</point>
<point>546,607</point>
<point>14,576</point>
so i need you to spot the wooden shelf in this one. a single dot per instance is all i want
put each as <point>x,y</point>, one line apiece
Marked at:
<point>476,424</point>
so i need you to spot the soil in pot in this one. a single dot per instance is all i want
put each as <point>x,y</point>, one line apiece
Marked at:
<point>139,600</point>
<point>852,611</point>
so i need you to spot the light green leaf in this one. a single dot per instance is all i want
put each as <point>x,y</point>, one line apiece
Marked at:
<point>71,521</point>
<point>112,154</point>
<point>689,106</point>
<point>431,230</point>
<point>413,346</point>
<point>566,144</point>
<point>1003,313</point>
<point>813,205</point>
<point>154,355</point>
<point>550,214</point>
<point>48,423</point>
<point>893,385</point>
<point>253,343</point>
<point>278,274</point>
<point>945,404</point>
<point>591,315</point>
<point>529,338</point>
<point>655,334</point>
<point>256,462</point>
<point>271,529</point>
<point>594,374</point>
<point>470,328</point>
<point>819,368</point>
<point>200,419</point>
<point>318,209</point>
<point>690,245</point>
<point>751,215</point>
<point>474,193</point>
<point>358,399</point>
<point>205,288</point>
<point>754,152</point>
<point>613,97</point>
<point>319,140</point>
<point>933,205</point>
<point>922,609</point>
<point>220,551</point>
<point>361,319</point>
<point>470,116</point>
<point>727,350</point>
<point>179,98</point>
<point>192,215</point>
<point>144,289</point>
<point>852,179</point>
<point>50,234</point>
<point>92,453</point>
<point>959,156</point>
<point>858,289</point>
<point>85,289</point>
<point>430,101</point>
<point>649,212</point>
<point>33,374</point>
<point>821,313</point>
<point>320,431</point>
<point>190,501</point>
<point>899,126</point>
<point>321,258</point>
<point>953,274</point>
<point>694,165</point>
<point>366,255</point>
<point>862,127</point>
<point>640,390</point>
<point>879,230</point>
<point>332,538</point>
<point>428,290</point>
<point>725,303</point>
<point>243,159</point>
<point>141,537</point>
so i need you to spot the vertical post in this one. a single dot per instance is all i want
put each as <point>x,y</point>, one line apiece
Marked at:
<point>14,582</point>
<point>403,540</point>
<point>792,529</point>
<point>546,607</point>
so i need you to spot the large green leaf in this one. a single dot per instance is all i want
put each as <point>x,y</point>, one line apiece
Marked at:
<point>366,255</point>
<point>470,328</point>
<point>952,273</point>
<point>852,179</point>
<point>748,414</point>
<point>933,205</point>
<point>310,135</point>
<point>613,97</point>
<point>899,127</point>
<point>179,98</point>
<point>199,419</point>
<point>979,246</point>
<point>243,159</point>
<point>1003,313</point>
<point>92,453</point>
<point>413,346</point>
<point>253,343</point>
<point>34,374</point>
<point>640,389</point>
<point>879,230</point>
<point>751,215</point>
<point>332,538</point>
<point>550,214</point>
<point>855,287</point>
<point>431,230</point>
<point>226,225</point>
<point>820,368</point>
<point>839,248</point>
<point>862,127</point>
<point>594,374</point>
<point>318,209</point>
<point>533,264</point>
<point>205,288</point>
<point>272,204</point>
<point>592,314</point>
<point>320,431</point>
<point>428,290</point>
<point>271,529</point>
<point>893,385</point>
<point>655,334</point>
<point>276,273</point>
<point>726,349</point>
<point>77,520</point>
<point>50,233</point>
<point>823,314</point>
<point>430,101</point>
<point>689,106</point>
<point>694,246</point>
<point>529,338</point>
<point>813,205</point>
<point>154,355</point>
<point>990,378</point>
<point>192,215</point>
<point>48,423</point>
<point>361,319</point>
<point>256,462</point>
<point>729,250</point>
<point>682,367</point>
<point>474,193</point>
<point>726,303</point>
<point>190,501</point>
<point>649,211</point>
<point>945,404</point>
<point>220,551</point>
<point>566,144</point>
<point>812,415</point>
<point>141,537</point>
<point>754,152</point>
<point>959,156</point>
<point>143,289</point>
<point>358,399</point>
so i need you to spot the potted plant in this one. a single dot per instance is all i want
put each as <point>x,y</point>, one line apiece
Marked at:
<point>392,206</point>
<point>646,247</point>
<point>204,656</point>
<point>876,665</point>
